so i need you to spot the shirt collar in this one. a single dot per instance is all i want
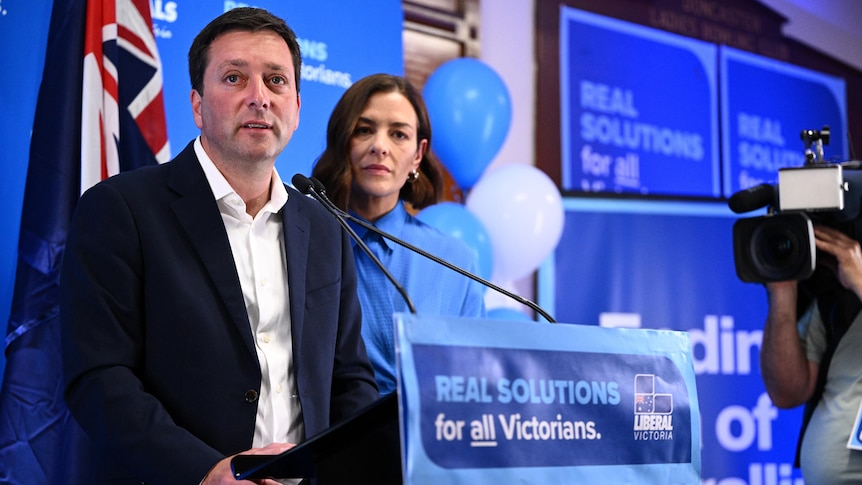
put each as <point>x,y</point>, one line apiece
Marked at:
<point>221,188</point>
<point>391,223</point>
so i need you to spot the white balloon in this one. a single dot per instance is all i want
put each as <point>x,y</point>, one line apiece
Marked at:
<point>522,211</point>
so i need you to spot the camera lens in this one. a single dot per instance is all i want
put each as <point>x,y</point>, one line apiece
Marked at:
<point>775,247</point>
<point>777,250</point>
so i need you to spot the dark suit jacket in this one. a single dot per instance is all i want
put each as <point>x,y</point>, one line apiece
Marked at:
<point>161,371</point>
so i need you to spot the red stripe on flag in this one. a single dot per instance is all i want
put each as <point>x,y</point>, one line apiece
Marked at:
<point>152,126</point>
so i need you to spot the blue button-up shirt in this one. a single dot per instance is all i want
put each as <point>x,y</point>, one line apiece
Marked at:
<point>433,288</point>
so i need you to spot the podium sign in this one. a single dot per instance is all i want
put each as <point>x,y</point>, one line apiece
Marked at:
<point>498,402</point>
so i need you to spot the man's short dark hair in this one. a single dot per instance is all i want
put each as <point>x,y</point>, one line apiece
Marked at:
<point>241,19</point>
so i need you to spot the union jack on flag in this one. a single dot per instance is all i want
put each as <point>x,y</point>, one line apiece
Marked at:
<point>119,43</point>
<point>100,111</point>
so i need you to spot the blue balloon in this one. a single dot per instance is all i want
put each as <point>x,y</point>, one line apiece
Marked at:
<point>503,313</point>
<point>470,111</point>
<point>454,219</point>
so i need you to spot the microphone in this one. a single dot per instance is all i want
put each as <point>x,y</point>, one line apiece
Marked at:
<point>324,199</point>
<point>752,198</point>
<point>304,185</point>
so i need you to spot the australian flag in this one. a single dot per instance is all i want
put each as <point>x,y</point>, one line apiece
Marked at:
<point>100,111</point>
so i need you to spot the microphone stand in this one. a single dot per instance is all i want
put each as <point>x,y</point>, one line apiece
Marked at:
<point>307,187</point>
<point>320,192</point>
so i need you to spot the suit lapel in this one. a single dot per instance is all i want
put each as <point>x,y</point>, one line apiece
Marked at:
<point>297,233</point>
<point>199,216</point>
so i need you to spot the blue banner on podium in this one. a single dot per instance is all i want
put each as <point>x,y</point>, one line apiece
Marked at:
<point>491,401</point>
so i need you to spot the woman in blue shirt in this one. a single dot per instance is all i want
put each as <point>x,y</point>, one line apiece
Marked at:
<point>378,165</point>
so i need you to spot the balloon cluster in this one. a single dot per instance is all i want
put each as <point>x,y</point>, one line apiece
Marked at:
<point>513,216</point>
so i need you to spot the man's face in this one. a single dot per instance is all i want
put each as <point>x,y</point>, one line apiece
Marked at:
<point>250,107</point>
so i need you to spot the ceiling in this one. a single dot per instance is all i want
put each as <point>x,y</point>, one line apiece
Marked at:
<point>831,26</point>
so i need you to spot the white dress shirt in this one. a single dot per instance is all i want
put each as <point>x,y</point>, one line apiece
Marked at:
<point>257,244</point>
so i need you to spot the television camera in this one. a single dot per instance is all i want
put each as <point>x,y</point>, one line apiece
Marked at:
<point>780,245</point>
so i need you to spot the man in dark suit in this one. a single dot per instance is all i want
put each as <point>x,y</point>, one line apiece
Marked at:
<point>207,309</point>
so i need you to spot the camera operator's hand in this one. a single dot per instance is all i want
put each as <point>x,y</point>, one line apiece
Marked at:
<point>848,256</point>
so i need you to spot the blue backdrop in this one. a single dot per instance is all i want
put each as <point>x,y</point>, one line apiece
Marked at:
<point>19,19</point>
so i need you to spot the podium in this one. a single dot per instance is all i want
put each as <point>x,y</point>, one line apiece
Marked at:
<point>362,449</point>
<point>489,402</point>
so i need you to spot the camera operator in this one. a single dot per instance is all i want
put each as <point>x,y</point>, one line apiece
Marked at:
<point>812,355</point>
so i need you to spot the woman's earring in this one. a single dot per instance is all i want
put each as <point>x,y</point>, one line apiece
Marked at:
<point>413,176</point>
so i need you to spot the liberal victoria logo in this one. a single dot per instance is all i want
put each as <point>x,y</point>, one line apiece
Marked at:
<point>653,411</point>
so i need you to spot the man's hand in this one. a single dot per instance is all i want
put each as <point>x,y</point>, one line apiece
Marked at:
<point>848,256</point>
<point>221,473</point>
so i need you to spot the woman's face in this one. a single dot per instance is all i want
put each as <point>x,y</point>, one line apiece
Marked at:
<point>384,149</point>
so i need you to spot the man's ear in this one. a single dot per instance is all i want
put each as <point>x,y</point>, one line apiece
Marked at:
<point>196,107</point>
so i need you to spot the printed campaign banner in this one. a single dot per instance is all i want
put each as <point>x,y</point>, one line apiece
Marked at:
<point>493,401</point>
<point>639,109</point>
<point>765,106</point>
